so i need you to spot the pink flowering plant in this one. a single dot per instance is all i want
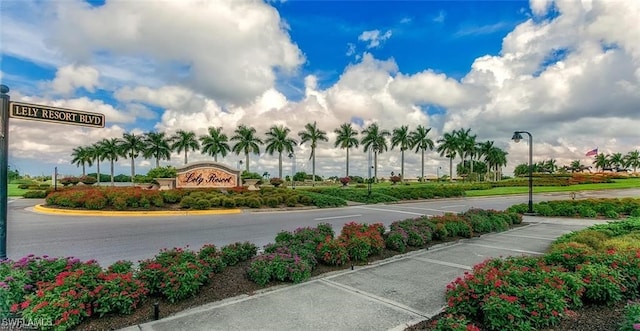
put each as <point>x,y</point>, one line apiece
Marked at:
<point>281,265</point>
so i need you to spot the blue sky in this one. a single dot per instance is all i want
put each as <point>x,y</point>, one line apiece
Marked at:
<point>556,68</point>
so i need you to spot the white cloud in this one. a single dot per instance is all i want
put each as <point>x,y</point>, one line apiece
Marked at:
<point>374,38</point>
<point>440,17</point>
<point>69,78</point>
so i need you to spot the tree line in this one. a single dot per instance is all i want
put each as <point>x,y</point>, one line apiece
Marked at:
<point>616,162</point>
<point>278,139</point>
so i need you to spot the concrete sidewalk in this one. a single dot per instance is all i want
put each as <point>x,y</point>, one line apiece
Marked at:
<point>386,295</point>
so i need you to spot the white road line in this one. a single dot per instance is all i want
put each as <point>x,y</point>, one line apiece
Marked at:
<point>391,210</point>
<point>376,298</point>
<point>448,264</point>
<point>530,237</point>
<point>336,217</point>
<point>429,209</point>
<point>506,249</point>
<point>454,206</point>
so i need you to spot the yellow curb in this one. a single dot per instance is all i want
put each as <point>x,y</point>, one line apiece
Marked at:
<point>46,210</point>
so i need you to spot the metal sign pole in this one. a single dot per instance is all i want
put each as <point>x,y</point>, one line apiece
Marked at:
<point>4,166</point>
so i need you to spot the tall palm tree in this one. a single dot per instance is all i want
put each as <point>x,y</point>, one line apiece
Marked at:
<point>184,141</point>
<point>375,139</point>
<point>483,149</point>
<point>466,146</point>
<point>420,140</point>
<point>448,146</point>
<point>215,143</point>
<point>312,135</point>
<point>112,151</point>
<point>81,157</point>
<point>633,160</point>
<point>617,160</point>
<point>601,161</point>
<point>278,140</point>
<point>346,138</point>
<point>247,142</point>
<point>97,153</point>
<point>551,165</point>
<point>495,159</point>
<point>131,146</point>
<point>400,137</point>
<point>157,146</point>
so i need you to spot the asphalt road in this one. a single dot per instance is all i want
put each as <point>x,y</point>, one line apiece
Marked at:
<point>108,239</point>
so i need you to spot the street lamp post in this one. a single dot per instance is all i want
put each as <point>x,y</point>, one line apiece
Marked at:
<point>438,173</point>
<point>517,136</point>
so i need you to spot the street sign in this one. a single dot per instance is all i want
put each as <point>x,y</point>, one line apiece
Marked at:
<point>28,111</point>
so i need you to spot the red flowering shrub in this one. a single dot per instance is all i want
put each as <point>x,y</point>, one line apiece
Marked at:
<point>118,293</point>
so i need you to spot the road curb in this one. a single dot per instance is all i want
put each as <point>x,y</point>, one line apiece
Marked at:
<point>45,210</point>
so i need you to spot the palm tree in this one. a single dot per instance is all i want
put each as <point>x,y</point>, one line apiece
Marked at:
<point>496,158</point>
<point>376,140</point>
<point>466,146</point>
<point>247,142</point>
<point>576,165</point>
<point>215,143</point>
<point>400,137</point>
<point>184,141</point>
<point>421,142</point>
<point>157,146</point>
<point>550,165</point>
<point>346,138</point>
<point>448,146</point>
<point>633,160</point>
<point>81,157</point>
<point>112,151</point>
<point>131,146</point>
<point>483,149</point>
<point>617,160</point>
<point>601,161</point>
<point>97,153</point>
<point>278,140</point>
<point>312,134</point>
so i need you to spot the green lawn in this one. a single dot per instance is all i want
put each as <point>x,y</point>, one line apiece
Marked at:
<point>14,191</point>
<point>617,184</point>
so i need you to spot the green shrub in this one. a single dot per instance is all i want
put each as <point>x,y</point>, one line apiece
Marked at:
<point>228,203</point>
<point>187,202</point>
<point>292,201</point>
<point>568,255</point>
<point>253,203</point>
<point>592,238</point>
<point>37,194</point>
<point>610,213</point>
<point>602,284</point>
<point>333,252</point>
<point>272,202</point>
<point>172,196</point>
<point>238,252</point>
<point>201,204</point>
<point>587,212</point>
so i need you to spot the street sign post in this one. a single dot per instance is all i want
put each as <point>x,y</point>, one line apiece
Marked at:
<point>28,111</point>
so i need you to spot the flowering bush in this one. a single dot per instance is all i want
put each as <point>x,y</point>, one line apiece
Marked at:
<point>66,181</point>
<point>362,240</point>
<point>66,301</point>
<point>345,180</point>
<point>118,293</point>
<point>281,265</point>
<point>395,179</point>
<point>276,181</point>
<point>333,252</point>
<point>88,180</point>
<point>631,317</point>
<point>238,252</point>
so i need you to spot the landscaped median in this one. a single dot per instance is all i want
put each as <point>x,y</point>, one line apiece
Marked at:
<point>66,292</point>
<point>120,213</point>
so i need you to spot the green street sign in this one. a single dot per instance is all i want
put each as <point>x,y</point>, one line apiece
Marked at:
<point>28,111</point>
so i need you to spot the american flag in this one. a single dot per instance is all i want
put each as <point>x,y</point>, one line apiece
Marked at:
<point>592,152</point>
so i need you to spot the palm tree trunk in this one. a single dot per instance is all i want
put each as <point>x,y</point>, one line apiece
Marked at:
<point>83,172</point>
<point>402,165</point>
<point>133,168</point>
<point>422,167</point>
<point>451,169</point>
<point>185,156</point>
<point>98,171</point>
<point>375,165</point>
<point>215,158</point>
<point>280,165</point>
<point>246,161</point>
<point>347,161</point>
<point>313,167</point>
<point>112,173</point>
<point>157,160</point>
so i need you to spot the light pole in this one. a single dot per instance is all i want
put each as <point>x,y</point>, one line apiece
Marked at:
<point>517,136</point>
<point>239,164</point>
<point>293,169</point>
<point>438,173</point>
